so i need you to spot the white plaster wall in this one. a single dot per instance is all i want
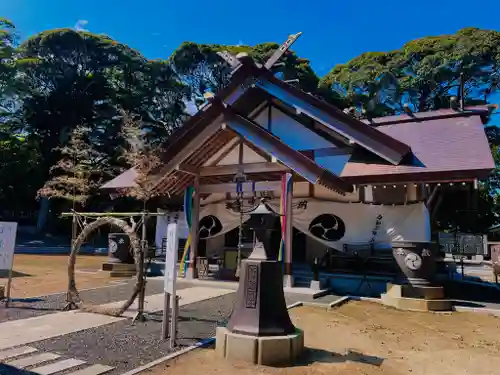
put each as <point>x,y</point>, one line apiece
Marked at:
<point>293,133</point>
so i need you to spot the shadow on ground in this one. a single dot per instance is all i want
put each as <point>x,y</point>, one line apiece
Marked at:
<point>311,355</point>
<point>9,370</point>
<point>5,274</point>
<point>472,292</point>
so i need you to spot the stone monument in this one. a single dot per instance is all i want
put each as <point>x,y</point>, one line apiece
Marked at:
<point>415,289</point>
<point>260,330</point>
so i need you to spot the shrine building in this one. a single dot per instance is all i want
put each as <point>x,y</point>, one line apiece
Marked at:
<point>344,186</point>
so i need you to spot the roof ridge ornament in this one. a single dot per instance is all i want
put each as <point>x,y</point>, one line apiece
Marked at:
<point>281,50</point>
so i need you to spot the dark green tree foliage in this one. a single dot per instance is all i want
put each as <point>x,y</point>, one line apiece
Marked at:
<point>203,70</point>
<point>425,73</point>
<point>66,73</point>
<point>19,172</point>
<point>8,86</point>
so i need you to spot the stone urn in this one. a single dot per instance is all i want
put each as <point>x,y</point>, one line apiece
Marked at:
<point>416,261</point>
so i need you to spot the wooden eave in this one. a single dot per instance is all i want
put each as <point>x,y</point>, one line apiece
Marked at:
<point>176,177</point>
<point>387,147</point>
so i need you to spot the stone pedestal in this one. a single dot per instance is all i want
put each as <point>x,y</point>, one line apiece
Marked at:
<point>264,350</point>
<point>119,269</point>
<point>416,298</point>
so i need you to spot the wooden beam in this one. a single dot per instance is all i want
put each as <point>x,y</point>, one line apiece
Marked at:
<point>327,151</point>
<point>288,232</point>
<point>247,187</point>
<point>186,168</point>
<point>221,170</point>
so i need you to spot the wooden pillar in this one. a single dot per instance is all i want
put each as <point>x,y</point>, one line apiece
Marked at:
<point>368,193</point>
<point>411,193</point>
<point>192,272</point>
<point>288,276</point>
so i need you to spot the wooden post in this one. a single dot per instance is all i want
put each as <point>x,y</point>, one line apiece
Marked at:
<point>192,272</point>
<point>288,275</point>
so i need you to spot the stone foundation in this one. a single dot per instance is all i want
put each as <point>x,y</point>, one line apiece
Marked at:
<point>422,298</point>
<point>119,269</point>
<point>265,350</point>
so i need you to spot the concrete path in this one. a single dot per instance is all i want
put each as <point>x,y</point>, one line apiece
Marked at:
<point>29,359</point>
<point>189,295</point>
<point>25,331</point>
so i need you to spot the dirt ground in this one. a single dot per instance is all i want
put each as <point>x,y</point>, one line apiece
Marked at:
<point>36,275</point>
<point>371,339</point>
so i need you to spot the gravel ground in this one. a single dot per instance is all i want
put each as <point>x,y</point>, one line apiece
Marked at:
<point>126,346</point>
<point>38,306</point>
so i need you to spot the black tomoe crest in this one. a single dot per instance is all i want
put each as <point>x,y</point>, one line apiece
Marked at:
<point>209,226</point>
<point>328,227</point>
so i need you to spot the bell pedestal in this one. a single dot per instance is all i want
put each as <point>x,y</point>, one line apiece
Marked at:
<point>259,330</point>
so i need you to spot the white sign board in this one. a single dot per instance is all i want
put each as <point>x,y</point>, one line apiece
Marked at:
<point>7,243</point>
<point>171,258</point>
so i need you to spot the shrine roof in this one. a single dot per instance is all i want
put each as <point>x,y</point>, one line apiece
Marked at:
<point>447,145</point>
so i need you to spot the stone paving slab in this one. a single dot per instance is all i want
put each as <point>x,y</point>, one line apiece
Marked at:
<point>16,352</point>
<point>33,360</point>
<point>25,331</point>
<point>155,302</point>
<point>59,366</point>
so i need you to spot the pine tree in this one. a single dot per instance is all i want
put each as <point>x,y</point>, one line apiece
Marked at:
<point>77,176</point>
<point>142,156</point>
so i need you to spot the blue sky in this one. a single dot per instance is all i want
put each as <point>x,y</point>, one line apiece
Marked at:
<point>334,32</point>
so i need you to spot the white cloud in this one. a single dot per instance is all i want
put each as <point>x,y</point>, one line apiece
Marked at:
<point>80,25</point>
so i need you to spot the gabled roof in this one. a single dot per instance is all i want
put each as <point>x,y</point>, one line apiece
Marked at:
<point>203,139</point>
<point>249,75</point>
<point>446,144</point>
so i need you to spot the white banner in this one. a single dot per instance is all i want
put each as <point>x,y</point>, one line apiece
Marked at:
<point>216,219</point>
<point>335,224</point>
<point>8,232</point>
